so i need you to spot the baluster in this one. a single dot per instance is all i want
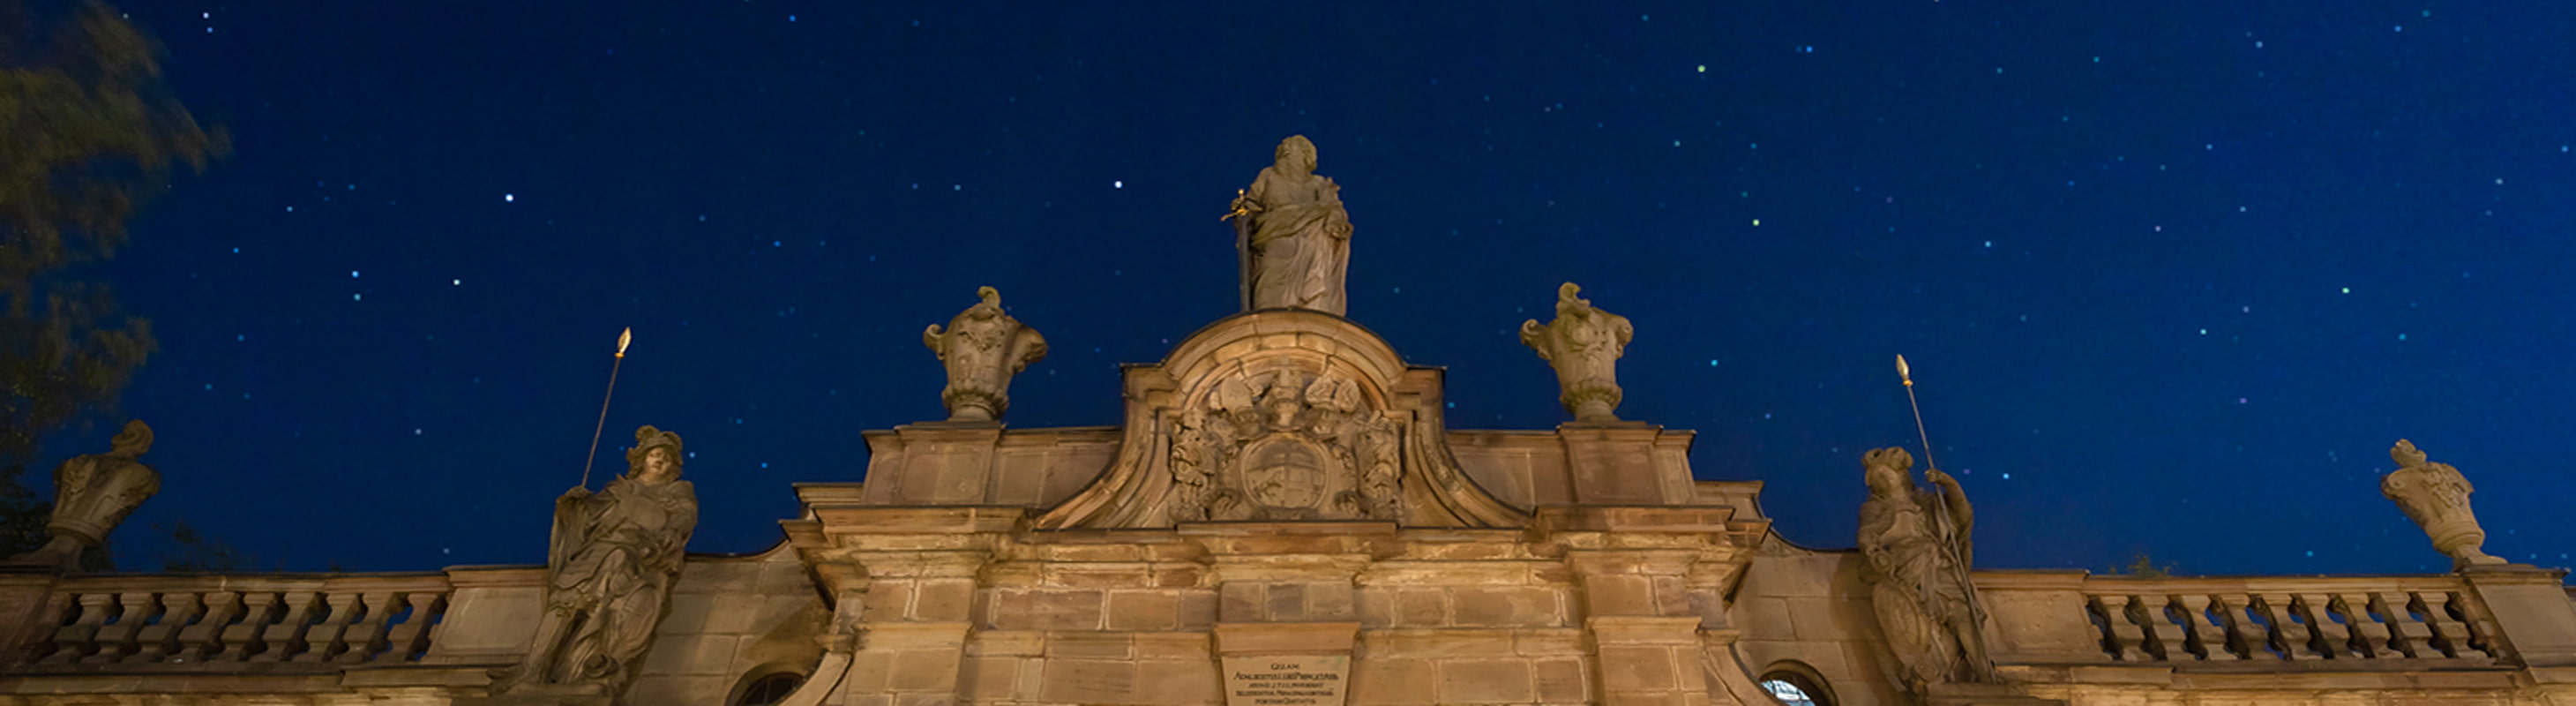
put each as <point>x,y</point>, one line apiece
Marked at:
<point>325,634</point>
<point>2164,638</point>
<point>285,638</point>
<point>2245,639</point>
<point>2447,635</point>
<point>156,641</point>
<point>366,637</point>
<point>2369,636</point>
<point>411,638</point>
<point>2326,635</point>
<point>116,639</point>
<point>2123,636</point>
<point>2406,635</point>
<point>197,642</point>
<point>2288,637</point>
<point>77,639</point>
<point>242,639</point>
<point>2208,636</point>
<point>2478,631</point>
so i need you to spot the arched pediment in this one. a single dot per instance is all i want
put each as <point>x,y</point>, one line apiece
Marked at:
<point>1282,415</point>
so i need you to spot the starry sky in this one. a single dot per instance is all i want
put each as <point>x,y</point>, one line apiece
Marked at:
<point>2172,276</point>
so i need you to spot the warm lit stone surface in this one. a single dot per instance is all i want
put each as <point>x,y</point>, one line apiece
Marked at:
<point>972,563</point>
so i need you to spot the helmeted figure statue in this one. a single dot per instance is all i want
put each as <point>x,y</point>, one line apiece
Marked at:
<point>92,494</point>
<point>1916,549</point>
<point>982,349</point>
<point>609,570</point>
<point>2436,497</point>
<point>1294,237</point>
<point>1584,345</point>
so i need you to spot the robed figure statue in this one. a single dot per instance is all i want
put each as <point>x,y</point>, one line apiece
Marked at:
<point>1293,235</point>
<point>609,570</point>
<point>1916,547</point>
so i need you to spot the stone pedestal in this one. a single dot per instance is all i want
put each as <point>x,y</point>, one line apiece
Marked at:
<point>1618,463</point>
<point>2528,610</point>
<point>933,463</point>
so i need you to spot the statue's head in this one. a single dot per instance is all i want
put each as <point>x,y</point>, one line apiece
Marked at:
<point>1296,153</point>
<point>1886,470</point>
<point>134,441</point>
<point>656,457</point>
<point>2405,454</point>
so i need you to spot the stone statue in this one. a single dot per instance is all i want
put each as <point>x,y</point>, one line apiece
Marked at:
<point>609,570</point>
<point>1584,344</point>
<point>2436,497</point>
<point>1916,552</point>
<point>1293,235</point>
<point>982,348</point>
<point>92,494</point>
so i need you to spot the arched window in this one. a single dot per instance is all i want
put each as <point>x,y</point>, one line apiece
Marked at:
<point>770,690</point>
<point>1795,684</point>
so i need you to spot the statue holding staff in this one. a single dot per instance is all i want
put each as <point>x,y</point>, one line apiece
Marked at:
<point>1916,549</point>
<point>1293,234</point>
<point>609,569</point>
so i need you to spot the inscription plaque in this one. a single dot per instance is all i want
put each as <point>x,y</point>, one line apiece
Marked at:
<point>1286,680</point>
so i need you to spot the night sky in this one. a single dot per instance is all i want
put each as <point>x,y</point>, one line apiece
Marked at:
<point>2172,276</point>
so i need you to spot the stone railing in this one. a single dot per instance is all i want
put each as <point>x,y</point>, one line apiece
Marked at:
<point>371,629</point>
<point>135,620</point>
<point>2293,619</point>
<point>2256,623</point>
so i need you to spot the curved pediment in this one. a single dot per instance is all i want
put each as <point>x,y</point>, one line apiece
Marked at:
<point>1283,415</point>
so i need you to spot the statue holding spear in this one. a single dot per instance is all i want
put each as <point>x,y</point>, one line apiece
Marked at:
<point>610,563</point>
<point>1916,545</point>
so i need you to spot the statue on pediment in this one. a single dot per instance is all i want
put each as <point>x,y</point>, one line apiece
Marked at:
<point>1915,548</point>
<point>2436,497</point>
<point>609,569</point>
<point>982,348</point>
<point>1293,235</point>
<point>1583,344</point>
<point>92,494</point>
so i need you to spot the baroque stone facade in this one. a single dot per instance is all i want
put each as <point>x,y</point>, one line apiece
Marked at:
<point>1282,518</point>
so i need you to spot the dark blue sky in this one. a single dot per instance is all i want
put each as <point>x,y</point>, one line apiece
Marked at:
<point>2172,277</point>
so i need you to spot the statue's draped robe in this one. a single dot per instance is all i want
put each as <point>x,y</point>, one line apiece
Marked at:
<point>612,561</point>
<point>1916,586</point>
<point>1299,243</point>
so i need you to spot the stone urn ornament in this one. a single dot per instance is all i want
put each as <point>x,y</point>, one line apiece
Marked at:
<point>2436,497</point>
<point>1583,344</point>
<point>982,348</point>
<point>92,494</point>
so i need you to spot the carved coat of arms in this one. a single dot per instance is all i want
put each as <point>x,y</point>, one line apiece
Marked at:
<point>1284,445</point>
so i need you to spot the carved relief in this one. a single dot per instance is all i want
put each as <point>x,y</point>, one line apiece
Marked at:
<point>1283,446</point>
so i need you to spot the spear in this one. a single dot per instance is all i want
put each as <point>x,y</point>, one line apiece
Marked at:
<point>623,338</point>
<point>1955,546</point>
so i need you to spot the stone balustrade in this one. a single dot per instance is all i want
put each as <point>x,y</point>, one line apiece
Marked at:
<point>126,621</point>
<point>2292,619</point>
<point>2341,623</point>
